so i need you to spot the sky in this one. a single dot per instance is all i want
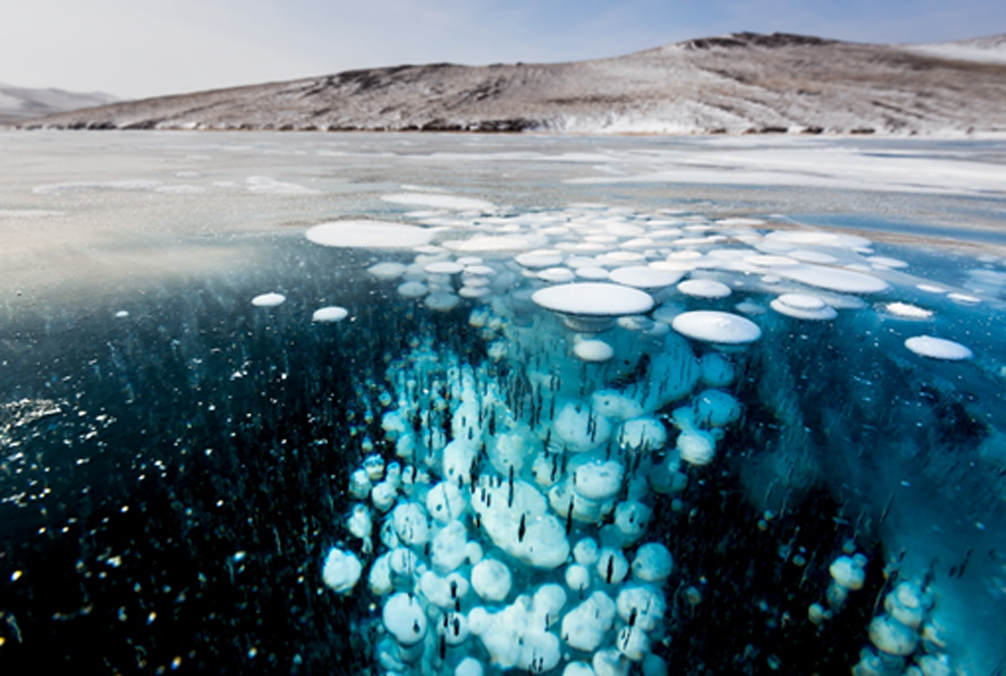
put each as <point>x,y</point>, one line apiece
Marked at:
<point>140,48</point>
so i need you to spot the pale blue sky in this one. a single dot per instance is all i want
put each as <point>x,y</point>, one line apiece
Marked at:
<point>135,48</point>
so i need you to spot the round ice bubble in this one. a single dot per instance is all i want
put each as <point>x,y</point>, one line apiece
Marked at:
<point>938,348</point>
<point>597,479</point>
<point>541,258</point>
<point>633,643</point>
<point>411,524</point>
<point>645,277</point>
<point>803,306</point>
<point>404,618</point>
<point>341,570</point>
<point>642,602</point>
<point>642,434</point>
<point>369,235</point>
<point>556,275</point>
<point>610,662</point>
<point>584,627</point>
<point>696,447</point>
<point>491,580</point>
<point>577,577</point>
<point>359,521</point>
<point>578,669</point>
<point>443,268</point>
<point>594,298</point>
<point>585,552</point>
<point>907,311</point>
<point>443,592</point>
<point>469,666</point>
<point>704,288</point>
<point>716,327</point>
<point>581,428</point>
<point>612,566</point>
<point>387,270</point>
<point>446,502</point>
<point>442,301</point>
<point>268,300</point>
<point>593,350</point>
<point>892,637</point>
<point>331,313</point>
<point>413,290</point>
<point>834,279</point>
<point>716,408</point>
<point>847,573</point>
<point>652,563</point>
<point>448,550</point>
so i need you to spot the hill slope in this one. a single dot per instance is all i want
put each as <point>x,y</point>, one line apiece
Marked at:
<point>739,83</point>
<point>22,103</point>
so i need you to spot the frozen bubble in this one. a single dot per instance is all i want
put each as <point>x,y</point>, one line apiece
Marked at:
<point>704,288</point>
<point>331,313</point>
<point>938,348</point>
<point>645,277</point>
<point>477,269</point>
<point>593,350</point>
<point>404,619</point>
<point>469,666</point>
<point>341,570</point>
<point>474,292</point>
<point>444,268</point>
<point>652,563</point>
<point>441,301</point>
<point>369,235</point>
<point>621,258</point>
<point>963,298</point>
<point>413,290</point>
<point>541,258</point>
<point>594,298</point>
<point>716,327</point>
<point>585,626</point>
<point>491,580</point>
<point>803,306</point>
<point>556,275</point>
<point>484,243</point>
<point>268,300</point>
<point>907,311</point>
<point>387,270</point>
<point>834,279</point>
<point>439,201</point>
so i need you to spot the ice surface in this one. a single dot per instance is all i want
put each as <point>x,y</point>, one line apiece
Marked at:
<point>174,456</point>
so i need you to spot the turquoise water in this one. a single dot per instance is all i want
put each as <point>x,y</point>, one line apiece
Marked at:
<point>178,460</point>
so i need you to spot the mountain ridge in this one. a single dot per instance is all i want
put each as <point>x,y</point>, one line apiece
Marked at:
<point>21,103</point>
<point>737,83</point>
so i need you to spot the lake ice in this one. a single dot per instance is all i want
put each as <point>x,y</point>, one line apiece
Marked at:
<point>462,404</point>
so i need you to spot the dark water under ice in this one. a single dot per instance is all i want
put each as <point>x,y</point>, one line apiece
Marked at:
<point>174,460</point>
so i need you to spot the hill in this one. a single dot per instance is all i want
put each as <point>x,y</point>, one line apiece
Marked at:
<point>739,83</point>
<point>22,103</point>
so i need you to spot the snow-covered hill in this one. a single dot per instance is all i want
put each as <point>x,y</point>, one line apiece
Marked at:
<point>739,83</point>
<point>22,103</point>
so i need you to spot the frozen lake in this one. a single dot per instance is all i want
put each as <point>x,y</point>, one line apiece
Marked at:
<point>461,404</point>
